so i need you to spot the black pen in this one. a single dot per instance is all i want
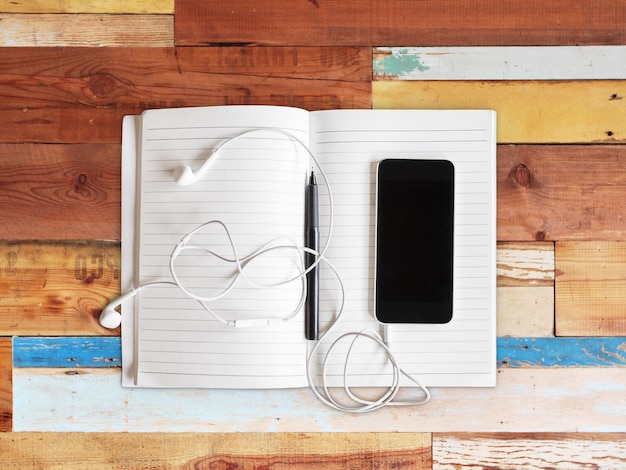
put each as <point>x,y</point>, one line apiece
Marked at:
<point>311,308</point>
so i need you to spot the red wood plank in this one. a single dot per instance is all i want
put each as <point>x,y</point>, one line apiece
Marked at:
<point>70,191</point>
<point>81,94</point>
<point>401,22</point>
<point>561,192</point>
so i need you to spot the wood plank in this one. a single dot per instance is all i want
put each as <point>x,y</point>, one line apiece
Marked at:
<point>401,23</point>
<point>105,352</point>
<point>525,264</point>
<point>82,94</point>
<point>60,191</point>
<point>89,6</point>
<point>91,351</point>
<point>525,311</point>
<point>51,289</point>
<point>528,111</point>
<point>567,399</point>
<point>236,450</point>
<point>561,192</point>
<point>500,63</point>
<point>529,451</point>
<point>64,30</point>
<point>6,385</point>
<point>590,288</point>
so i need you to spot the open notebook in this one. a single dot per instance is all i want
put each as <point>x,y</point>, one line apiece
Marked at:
<point>256,185</point>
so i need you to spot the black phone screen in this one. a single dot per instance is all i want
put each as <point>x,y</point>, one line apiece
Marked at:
<point>414,241</point>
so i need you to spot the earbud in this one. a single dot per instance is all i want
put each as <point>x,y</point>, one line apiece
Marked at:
<point>183,174</point>
<point>111,318</point>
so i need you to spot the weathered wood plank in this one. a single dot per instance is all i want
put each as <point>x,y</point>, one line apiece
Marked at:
<point>60,191</point>
<point>102,352</point>
<point>6,385</point>
<point>236,450</point>
<point>82,94</point>
<point>543,402</point>
<point>91,351</point>
<point>529,451</point>
<point>525,311</point>
<point>525,264</point>
<point>64,30</point>
<point>50,288</point>
<point>401,23</point>
<point>590,288</point>
<point>500,63</point>
<point>561,192</point>
<point>89,6</point>
<point>528,111</point>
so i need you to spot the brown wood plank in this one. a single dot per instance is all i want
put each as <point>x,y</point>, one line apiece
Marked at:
<point>58,30</point>
<point>529,450</point>
<point>6,385</point>
<point>561,192</point>
<point>81,94</point>
<point>590,289</point>
<point>57,288</point>
<point>401,23</point>
<point>216,450</point>
<point>69,191</point>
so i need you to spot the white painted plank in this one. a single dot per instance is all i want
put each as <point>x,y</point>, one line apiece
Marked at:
<point>500,63</point>
<point>530,400</point>
<point>525,311</point>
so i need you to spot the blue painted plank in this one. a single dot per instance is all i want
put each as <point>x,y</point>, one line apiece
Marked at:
<point>91,351</point>
<point>67,352</point>
<point>605,351</point>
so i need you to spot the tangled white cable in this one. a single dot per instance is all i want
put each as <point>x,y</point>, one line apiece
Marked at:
<point>184,175</point>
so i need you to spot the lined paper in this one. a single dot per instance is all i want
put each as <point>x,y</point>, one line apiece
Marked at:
<point>349,144</point>
<point>254,186</point>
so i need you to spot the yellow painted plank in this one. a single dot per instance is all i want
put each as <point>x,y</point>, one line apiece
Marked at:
<point>89,6</point>
<point>94,30</point>
<point>528,111</point>
<point>590,288</point>
<point>215,450</point>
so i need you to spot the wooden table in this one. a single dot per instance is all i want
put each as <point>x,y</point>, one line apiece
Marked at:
<point>554,71</point>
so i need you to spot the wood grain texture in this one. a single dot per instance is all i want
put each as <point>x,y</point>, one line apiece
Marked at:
<point>401,23</point>
<point>82,94</point>
<point>64,30</point>
<point>531,451</point>
<point>60,191</point>
<point>89,6</point>
<point>525,264</point>
<point>500,63</point>
<point>6,385</point>
<point>237,450</point>
<point>590,288</point>
<point>561,399</point>
<point>590,111</point>
<point>561,192</point>
<point>49,288</point>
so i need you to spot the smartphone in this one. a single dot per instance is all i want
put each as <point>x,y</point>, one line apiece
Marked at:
<point>414,261</point>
